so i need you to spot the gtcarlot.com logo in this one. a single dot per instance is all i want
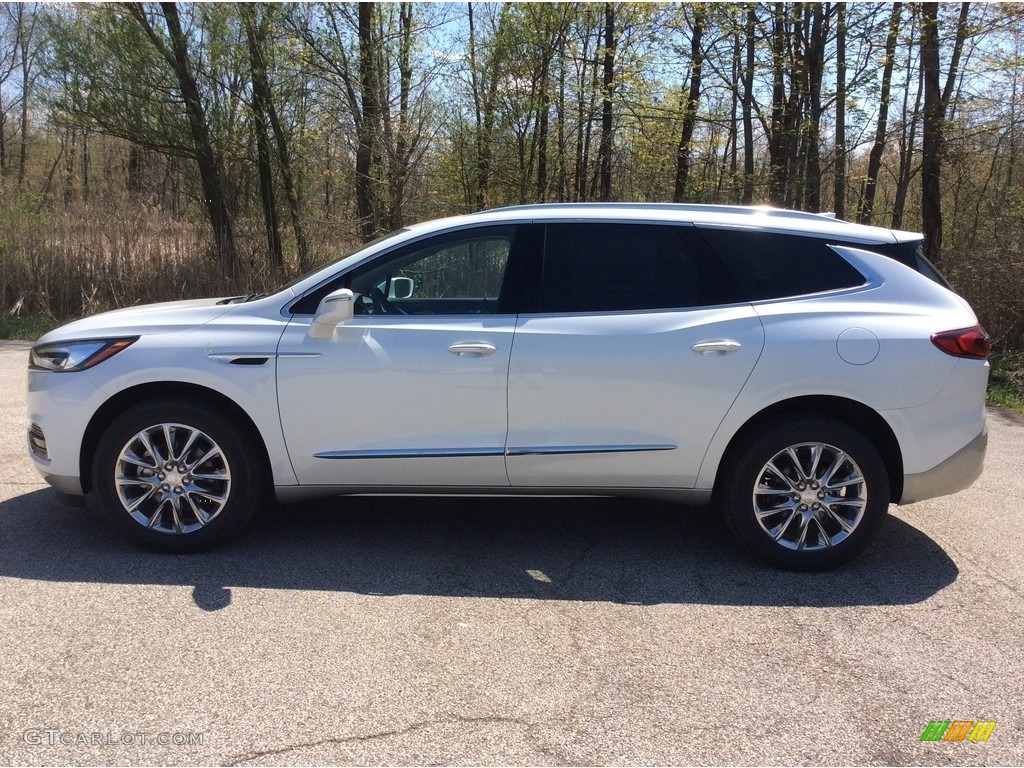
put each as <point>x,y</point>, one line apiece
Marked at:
<point>958,730</point>
<point>54,737</point>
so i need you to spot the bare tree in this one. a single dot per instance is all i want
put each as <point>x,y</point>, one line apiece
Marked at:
<point>25,19</point>
<point>839,202</point>
<point>175,51</point>
<point>867,196</point>
<point>936,103</point>
<point>257,34</point>
<point>604,150</point>
<point>692,100</point>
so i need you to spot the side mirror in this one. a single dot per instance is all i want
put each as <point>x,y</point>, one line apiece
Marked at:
<point>335,308</point>
<point>401,288</point>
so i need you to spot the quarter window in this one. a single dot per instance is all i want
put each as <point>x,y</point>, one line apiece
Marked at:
<point>769,265</point>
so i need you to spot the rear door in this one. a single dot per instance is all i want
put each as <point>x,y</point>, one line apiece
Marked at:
<point>635,346</point>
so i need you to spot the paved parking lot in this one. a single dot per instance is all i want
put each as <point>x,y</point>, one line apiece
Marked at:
<point>473,631</point>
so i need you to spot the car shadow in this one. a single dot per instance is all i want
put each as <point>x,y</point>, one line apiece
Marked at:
<point>614,550</point>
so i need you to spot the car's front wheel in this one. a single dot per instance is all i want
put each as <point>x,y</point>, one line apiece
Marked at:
<point>805,494</point>
<point>177,476</point>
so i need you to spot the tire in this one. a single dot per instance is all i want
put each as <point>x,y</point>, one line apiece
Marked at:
<point>805,495</point>
<point>178,476</point>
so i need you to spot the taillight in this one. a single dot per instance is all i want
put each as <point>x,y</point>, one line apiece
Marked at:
<point>965,342</point>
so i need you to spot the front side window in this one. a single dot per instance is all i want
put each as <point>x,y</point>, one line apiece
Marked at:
<point>625,267</point>
<point>463,276</point>
<point>453,274</point>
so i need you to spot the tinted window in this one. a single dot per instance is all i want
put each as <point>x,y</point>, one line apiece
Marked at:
<point>768,265</point>
<point>910,253</point>
<point>621,267</point>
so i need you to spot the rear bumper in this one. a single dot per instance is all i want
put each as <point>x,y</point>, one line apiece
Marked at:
<point>952,475</point>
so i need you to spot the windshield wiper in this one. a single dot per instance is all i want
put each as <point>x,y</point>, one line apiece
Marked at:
<point>241,299</point>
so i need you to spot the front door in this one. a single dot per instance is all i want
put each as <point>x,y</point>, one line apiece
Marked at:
<point>412,391</point>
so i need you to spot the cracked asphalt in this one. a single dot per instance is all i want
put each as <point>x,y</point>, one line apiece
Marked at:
<point>471,631</point>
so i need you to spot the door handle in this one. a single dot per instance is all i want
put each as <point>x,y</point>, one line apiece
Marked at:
<point>716,346</point>
<point>472,349</point>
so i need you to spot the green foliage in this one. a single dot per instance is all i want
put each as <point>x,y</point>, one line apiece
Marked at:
<point>105,74</point>
<point>1006,381</point>
<point>27,328</point>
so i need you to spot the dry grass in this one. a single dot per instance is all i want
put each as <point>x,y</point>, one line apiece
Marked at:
<point>83,260</point>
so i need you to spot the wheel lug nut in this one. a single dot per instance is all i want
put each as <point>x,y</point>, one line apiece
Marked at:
<point>162,476</point>
<point>803,507</point>
<point>178,489</point>
<point>821,494</point>
<point>165,487</point>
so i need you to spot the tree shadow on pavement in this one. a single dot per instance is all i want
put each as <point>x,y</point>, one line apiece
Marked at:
<point>614,550</point>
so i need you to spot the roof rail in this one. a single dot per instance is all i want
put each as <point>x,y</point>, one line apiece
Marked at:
<point>751,210</point>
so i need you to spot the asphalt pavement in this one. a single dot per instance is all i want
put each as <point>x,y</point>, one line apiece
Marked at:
<point>479,631</point>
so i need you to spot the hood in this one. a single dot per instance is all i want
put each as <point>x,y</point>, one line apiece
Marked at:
<point>146,319</point>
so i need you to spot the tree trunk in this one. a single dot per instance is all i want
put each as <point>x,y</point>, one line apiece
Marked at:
<point>214,192</point>
<point>68,141</point>
<point>582,123</point>
<point>839,168</point>
<point>275,255</point>
<point>931,135</point>
<point>485,86</point>
<point>690,110</point>
<point>367,123</point>
<point>24,31</point>
<point>778,144</point>
<point>908,130</point>
<point>605,148</point>
<point>867,198</point>
<point>952,77</point>
<point>256,35</point>
<point>85,166</point>
<point>734,139</point>
<point>543,110</point>
<point>748,110</point>
<point>400,165</point>
<point>3,137</point>
<point>814,68</point>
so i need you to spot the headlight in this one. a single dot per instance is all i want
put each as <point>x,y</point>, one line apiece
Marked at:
<point>76,355</point>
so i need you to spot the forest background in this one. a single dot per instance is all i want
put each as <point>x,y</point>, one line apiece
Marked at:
<point>158,151</point>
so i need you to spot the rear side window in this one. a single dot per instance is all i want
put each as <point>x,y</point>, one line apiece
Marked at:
<point>768,265</point>
<point>622,267</point>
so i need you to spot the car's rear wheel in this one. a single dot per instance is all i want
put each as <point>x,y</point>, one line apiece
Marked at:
<point>806,494</point>
<point>177,476</point>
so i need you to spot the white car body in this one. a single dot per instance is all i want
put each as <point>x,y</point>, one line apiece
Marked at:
<point>643,403</point>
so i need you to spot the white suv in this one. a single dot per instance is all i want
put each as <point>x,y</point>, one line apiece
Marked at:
<point>797,371</point>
